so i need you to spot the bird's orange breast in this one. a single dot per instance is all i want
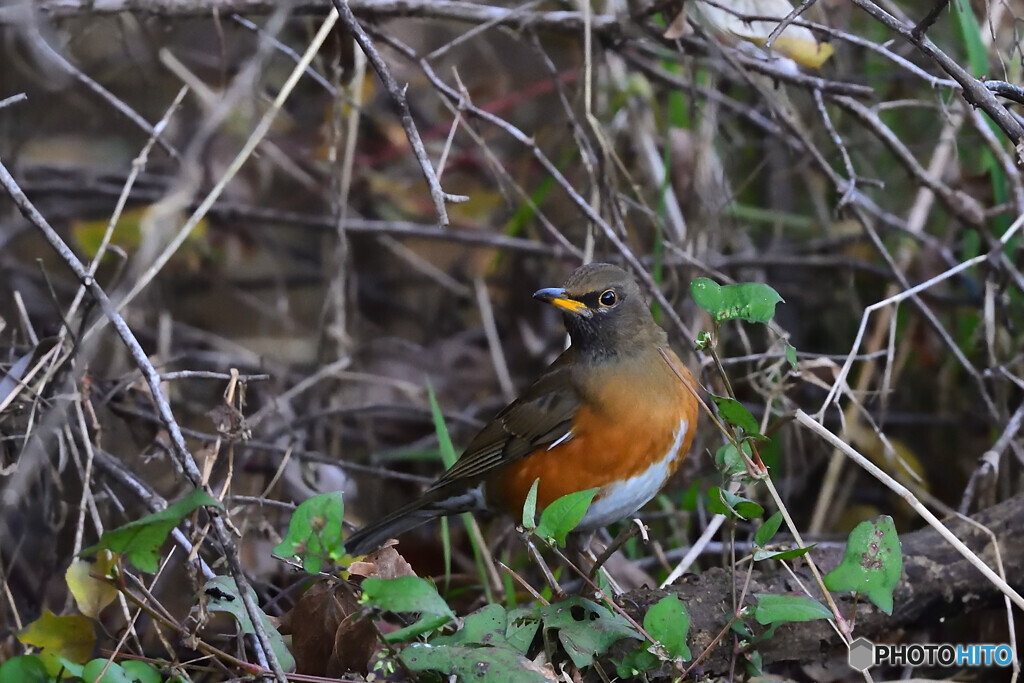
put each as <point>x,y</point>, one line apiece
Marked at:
<point>620,434</point>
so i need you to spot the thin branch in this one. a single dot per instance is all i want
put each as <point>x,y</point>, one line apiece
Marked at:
<point>437,194</point>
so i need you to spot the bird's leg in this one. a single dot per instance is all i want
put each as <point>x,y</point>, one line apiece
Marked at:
<point>628,532</point>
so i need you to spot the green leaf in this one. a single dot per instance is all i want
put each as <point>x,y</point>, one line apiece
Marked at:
<point>788,554</point>
<point>723,502</point>
<point>141,672</point>
<point>773,609</point>
<point>114,672</point>
<point>493,664</point>
<point>314,532</point>
<point>530,507</point>
<point>222,595</point>
<point>639,661</point>
<point>872,564</point>
<point>23,669</point>
<point>140,540</point>
<point>405,594</point>
<point>668,622</point>
<point>791,356</point>
<point>768,530</point>
<point>585,628</point>
<point>751,301</point>
<point>522,628</point>
<point>730,462</point>
<point>735,413</point>
<point>563,514</point>
<point>486,626</point>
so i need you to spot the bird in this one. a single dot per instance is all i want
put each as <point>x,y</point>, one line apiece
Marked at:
<point>616,411</point>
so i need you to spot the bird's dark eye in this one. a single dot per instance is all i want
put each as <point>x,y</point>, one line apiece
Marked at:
<point>608,298</point>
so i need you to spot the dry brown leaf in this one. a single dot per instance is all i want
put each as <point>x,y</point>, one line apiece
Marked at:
<point>328,636</point>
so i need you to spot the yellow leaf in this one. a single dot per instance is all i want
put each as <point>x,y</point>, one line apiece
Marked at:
<point>70,636</point>
<point>91,595</point>
<point>89,234</point>
<point>795,42</point>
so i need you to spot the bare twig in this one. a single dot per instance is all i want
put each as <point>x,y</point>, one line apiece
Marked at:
<point>437,195</point>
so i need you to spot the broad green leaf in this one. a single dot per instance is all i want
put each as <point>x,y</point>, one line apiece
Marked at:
<point>91,595</point>
<point>563,514</point>
<point>767,530</point>
<point>405,594</point>
<point>775,609</point>
<point>585,628</point>
<point>788,554</point>
<point>140,540</point>
<point>872,564</point>
<point>736,414</point>
<point>751,301</point>
<point>465,663</point>
<point>314,532</point>
<point>668,622</point>
<point>70,636</point>
<point>530,507</point>
<point>486,626</point>
<point>222,595</point>
<point>724,502</point>
<point>23,669</point>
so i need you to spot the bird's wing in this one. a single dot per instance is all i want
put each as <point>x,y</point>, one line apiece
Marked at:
<point>540,417</point>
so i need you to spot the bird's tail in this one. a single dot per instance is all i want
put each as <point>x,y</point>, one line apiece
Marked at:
<point>374,535</point>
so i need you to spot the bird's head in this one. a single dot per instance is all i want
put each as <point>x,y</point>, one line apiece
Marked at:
<point>604,311</point>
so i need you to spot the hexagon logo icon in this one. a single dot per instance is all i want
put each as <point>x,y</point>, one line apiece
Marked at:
<point>862,654</point>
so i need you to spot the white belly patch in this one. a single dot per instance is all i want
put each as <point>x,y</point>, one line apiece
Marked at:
<point>620,500</point>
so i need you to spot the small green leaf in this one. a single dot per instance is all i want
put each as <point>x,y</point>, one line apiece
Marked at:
<point>730,462</point>
<point>585,628</point>
<point>791,356</point>
<point>789,554</point>
<point>736,414</point>
<point>530,507</point>
<point>872,564</point>
<point>639,661</point>
<point>563,514</point>
<point>768,530</point>
<point>723,502</point>
<point>466,663</point>
<point>773,609</point>
<point>703,341</point>
<point>140,540</point>
<point>405,594</point>
<point>314,532</point>
<point>751,301</point>
<point>668,622</point>
<point>222,595</point>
